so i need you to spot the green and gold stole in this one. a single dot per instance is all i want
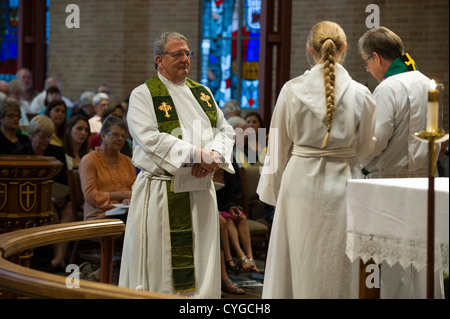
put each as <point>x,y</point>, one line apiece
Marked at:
<point>400,65</point>
<point>179,203</point>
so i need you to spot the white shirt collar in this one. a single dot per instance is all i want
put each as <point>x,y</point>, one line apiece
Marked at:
<point>166,81</point>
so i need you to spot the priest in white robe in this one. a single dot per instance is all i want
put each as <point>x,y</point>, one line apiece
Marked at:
<point>165,108</point>
<point>402,97</point>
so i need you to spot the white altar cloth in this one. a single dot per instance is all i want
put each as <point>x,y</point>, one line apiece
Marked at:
<point>387,222</point>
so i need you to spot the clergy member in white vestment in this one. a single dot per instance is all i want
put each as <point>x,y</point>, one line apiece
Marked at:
<point>171,242</point>
<point>401,99</point>
<point>323,122</point>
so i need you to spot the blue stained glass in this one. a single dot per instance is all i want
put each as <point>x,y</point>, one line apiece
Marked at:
<point>9,23</point>
<point>249,99</point>
<point>253,50</point>
<point>213,59</point>
<point>220,60</point>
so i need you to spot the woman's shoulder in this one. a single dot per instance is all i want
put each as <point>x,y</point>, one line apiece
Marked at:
<point>125,159</point>
<point>93,155</point>
<point>91,159</point>
<point>360,88</point>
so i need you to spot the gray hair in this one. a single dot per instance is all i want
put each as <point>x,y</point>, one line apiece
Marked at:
<point>16,86</point>
<point>237,121</point>
<point>159,46</point>
<point>7,106</point>
<point>52,81</point>
<point>231,106</point>
<point>21,70</point>
<point>100,96</point>
<point>86,98</point>
<point>41,123</point>
<point>382,41</point>
<point>111,120</point>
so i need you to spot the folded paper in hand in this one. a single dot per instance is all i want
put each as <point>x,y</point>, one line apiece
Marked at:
<point>183,181</point>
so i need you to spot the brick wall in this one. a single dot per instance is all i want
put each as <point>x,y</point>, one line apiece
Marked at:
<point>422,25</point>
<point>114,42</point>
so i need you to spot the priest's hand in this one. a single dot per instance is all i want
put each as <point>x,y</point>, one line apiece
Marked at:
<point>198,171</point>
<point>208,160</point>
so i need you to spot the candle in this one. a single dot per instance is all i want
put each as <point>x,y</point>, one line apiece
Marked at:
<point>433,108</point>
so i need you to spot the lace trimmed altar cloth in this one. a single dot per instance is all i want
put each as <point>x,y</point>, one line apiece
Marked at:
<point>387,222</point>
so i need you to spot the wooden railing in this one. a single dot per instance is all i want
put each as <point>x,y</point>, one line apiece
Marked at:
<point>18,280</point>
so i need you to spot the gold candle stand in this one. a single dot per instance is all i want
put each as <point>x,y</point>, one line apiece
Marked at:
<point>432,138</point>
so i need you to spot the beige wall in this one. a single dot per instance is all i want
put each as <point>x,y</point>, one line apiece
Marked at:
<point>114,42</point>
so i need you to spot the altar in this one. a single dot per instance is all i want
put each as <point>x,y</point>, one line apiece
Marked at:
<point>387,224</point>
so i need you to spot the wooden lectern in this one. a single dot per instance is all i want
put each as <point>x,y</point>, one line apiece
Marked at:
<point>25,191</point>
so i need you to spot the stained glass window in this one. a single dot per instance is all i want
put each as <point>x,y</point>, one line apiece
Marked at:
<point>230,50</point>
<point>9,31</point>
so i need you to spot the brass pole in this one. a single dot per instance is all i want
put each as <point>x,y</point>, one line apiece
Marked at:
<point>430,222</point>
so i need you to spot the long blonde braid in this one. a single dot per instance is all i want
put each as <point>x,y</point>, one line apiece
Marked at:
<point>326,39</point>
<point>329,76</point>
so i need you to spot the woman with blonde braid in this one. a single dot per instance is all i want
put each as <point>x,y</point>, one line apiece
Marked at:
<point>322,124</point>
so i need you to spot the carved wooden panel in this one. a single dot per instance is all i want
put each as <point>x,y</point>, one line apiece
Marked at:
<point>25,191</point>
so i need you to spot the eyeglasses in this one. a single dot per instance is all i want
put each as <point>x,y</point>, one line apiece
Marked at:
<point>14,116</point>
<point>179,55</point>
<point>116,135</point>
<point>365,63</point>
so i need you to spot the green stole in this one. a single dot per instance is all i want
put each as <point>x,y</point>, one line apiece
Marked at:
<point>179,203</point>
<point>400,65</point>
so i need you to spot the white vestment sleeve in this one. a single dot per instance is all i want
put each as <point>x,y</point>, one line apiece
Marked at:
<point>278,151</point>
<point>223,141</point>
<point>367,122</point>
<point>385,101</point>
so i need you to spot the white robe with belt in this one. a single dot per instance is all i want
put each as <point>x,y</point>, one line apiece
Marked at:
<point>306,256</point>
<point>146,258</point>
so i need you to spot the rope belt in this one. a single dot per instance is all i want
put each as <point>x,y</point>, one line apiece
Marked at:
<point>307,151</point>
<point>156,177</point>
